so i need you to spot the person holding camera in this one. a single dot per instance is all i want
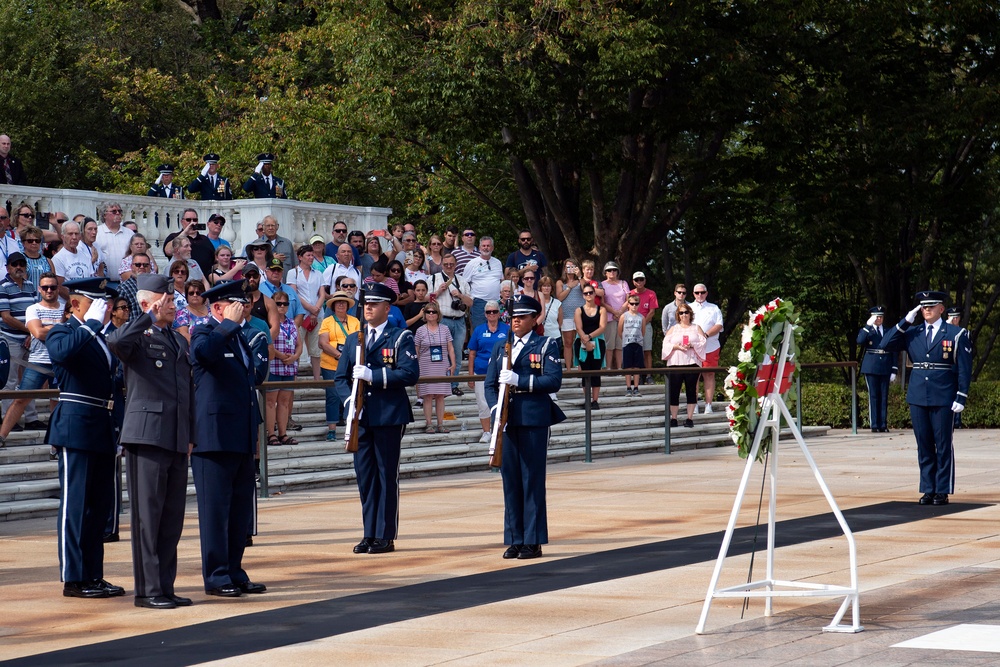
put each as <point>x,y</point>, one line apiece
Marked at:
<point>568,291</point>
<point>454,298</point>
<point>202,248</point>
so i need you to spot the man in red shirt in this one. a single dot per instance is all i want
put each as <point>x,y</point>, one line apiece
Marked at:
<point>647,308</point>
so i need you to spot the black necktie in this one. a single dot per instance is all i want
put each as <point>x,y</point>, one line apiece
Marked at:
<point>171,343</point>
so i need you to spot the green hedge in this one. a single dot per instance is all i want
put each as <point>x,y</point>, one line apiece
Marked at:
<point>830,404</point>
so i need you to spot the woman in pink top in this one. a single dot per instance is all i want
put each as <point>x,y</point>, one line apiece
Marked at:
<point>684,345</point>
<point>615,294</point>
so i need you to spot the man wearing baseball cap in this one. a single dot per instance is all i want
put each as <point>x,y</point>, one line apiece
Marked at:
<point>939,387</point>
<point>647,308</point>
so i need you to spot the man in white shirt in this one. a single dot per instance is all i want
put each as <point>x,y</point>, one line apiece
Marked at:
<point>113,239</point>
<point>484,279</point>
<point>71,263</point>
<point>343,267</point>
<point>708,316</point>
<point>307,283</point>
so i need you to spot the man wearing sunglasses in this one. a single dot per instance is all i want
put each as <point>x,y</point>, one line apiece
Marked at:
<point>526,255</point>
<point>16,294</point>
<point>128,289</point>
<point>113,240</point>
<point>466,252</point>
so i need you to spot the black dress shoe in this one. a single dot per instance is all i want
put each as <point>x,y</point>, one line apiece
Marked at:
<point>226,591</point>
<point>155,602</point>
<point>110,537</point>
<point>249,542</point>
<point>940,499</point>
<point>513,551</point>
<point>363,546</point>
<point>83,589</point>
<point>530,551</point>
<point>181,602</point>
<point>113,591</point>
<point>926,499</point>
<point>379,546</point>
<point>341,422</point>
<point>251,587</point>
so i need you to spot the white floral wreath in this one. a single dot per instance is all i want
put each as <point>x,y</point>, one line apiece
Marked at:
<point>761,340</point>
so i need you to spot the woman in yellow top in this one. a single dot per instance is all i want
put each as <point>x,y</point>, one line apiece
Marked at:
<point>333,334</point>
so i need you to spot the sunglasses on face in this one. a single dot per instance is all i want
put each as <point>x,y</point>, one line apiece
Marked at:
<point>527,240</point>
<point>340,231</point>
<point>115,211</point>
<point>683,312</point>
<point>430,312</point>
<point>492,312</point>
<point>121,308</point>
<point>347,286</point>
<point>195,292</point>
<point>281,304</point>
<point>32,240</point>
<point>588,294</point>
<point>633,303</point>
<point>178,272</point>
<point>680,291</point>
<point>528,278</point>
<point>702,292</point>
<point>469,234</point>
<point>141,265</point>
<point>639,280</point>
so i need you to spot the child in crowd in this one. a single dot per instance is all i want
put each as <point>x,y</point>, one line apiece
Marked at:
<point>630,333</point>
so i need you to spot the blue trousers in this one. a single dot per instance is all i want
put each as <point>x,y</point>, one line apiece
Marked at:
<point>334,404</point>
<point>523,471</point>
<point>477,314</point>
<point>457,328</point>
<point>376,464</point>
<point>225,487</point>
<point>878,400</point>
<point>932,427</point>
<point>87,489</point>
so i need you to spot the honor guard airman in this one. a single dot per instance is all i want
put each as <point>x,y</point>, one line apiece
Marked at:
<point>879,367</point>
<point>227,417</point>
<point>534,374</point>
<point>210,184</point>
<point>939,387</point>
<point>82,431</point>
<point>164,186</point>
<point>390,367</point>
<point>262,183</point>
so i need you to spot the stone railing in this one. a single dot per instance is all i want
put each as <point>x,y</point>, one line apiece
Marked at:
<point>157,217</point>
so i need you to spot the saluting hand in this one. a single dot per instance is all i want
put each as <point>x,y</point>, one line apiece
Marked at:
<point>911,316</point>
<point>234,312</point>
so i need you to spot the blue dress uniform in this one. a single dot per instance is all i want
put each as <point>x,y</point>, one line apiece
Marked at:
<point>878,365</point>
<point>392,358</point>
<point>529,418</point>
<point>158,189</point>
<point>226,418</point>
<point>117,418</point>
<point>211,187</point>
<point>942,371</point>
<point>265,186</point>
<point>82,429</point>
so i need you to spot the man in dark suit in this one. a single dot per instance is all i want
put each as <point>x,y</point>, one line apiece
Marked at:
<point>11,169</point>
<point>225,432</point>
<point>390,367</point>
<point>879,367</point>
<point>82,431</point>
<point>938,389</point>
<point>534,374</point>
<point>209,184</point>
<point>262,183</point>
<point>156,435</point>
<point>164,186</point>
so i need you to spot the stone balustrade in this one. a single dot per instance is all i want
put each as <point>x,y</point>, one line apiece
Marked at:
<point>157,217</point>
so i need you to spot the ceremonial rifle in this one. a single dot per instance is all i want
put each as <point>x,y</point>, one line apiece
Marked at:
<point>503,406</point>
<point>358,388</point>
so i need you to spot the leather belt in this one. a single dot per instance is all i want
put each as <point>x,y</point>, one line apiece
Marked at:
<point>83,399</point>
<point>929,366</point>
<point>462,317</point>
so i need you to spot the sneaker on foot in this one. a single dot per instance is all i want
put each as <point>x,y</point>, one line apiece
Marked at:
<point>331,436</point>
<point>708,408</point>
<point>485,437</point>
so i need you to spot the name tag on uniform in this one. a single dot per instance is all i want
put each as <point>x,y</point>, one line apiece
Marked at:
<point>228,355</point>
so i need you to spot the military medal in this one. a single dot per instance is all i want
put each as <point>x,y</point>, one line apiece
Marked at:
<point>536,360</point>
<point>222,187</point>
<point>386,355</point>
<point>278,190</point>
<point>945,348</point>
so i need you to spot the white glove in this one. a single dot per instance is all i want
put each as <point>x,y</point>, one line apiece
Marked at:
<point>871,320</point>
<point>508,377</point>
<point>957,407</point>
<point>96,311</point>
<point>911,316</point>
<point>892,377</point>
<point>260,165</point>
<point>204,170</point>
<point>159,179</point>
<point>362,372</point>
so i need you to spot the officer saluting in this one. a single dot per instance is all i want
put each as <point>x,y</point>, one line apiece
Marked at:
<point>81,429</point>
<point>939,386</point>
<point>163,186</point>
<point>535,373</point>
<point>209,184</point>
<point>390,367</point>
<point>156,435</point>
<point>225,433</point>
<point>879,367</point>
<point>262,183</point>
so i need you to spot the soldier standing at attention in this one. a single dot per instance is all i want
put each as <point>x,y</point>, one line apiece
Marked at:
<point>535,372</point>
<point>939,387</point>
<point>209,184</point>
<point>82,431</point>
<point>262,183</point>
<point>390,367</point>
<point>879,367</point>
<point>164,185</point>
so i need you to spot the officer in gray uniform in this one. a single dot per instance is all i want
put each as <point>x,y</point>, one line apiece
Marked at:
<point>939,387</point>
<point>879,367</point>
<point>156,436</point>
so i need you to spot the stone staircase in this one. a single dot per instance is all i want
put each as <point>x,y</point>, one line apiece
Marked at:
<point>29,484</point>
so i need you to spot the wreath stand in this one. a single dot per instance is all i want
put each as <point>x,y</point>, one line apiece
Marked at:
<point>773,408</point>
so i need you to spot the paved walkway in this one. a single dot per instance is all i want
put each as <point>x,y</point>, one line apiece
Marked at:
<point>622,583</point>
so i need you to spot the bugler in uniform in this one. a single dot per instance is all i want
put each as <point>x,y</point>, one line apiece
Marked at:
<point>209,184</point>
<point>163,186</point>
<point>390,367</point>
<point>939,386</point>
<point>81,429</point>
<point>534,374</point>
<point>262,183</point>
<point>879,367</point>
